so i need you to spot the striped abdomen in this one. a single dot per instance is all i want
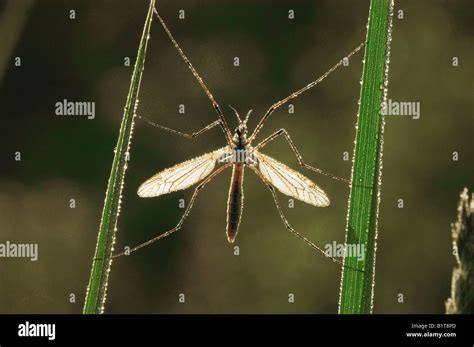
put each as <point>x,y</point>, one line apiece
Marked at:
<point>235,201</point>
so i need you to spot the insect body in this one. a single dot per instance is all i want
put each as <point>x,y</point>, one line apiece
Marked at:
<point>238,154</point>
<point>235,202</point>
<point>242,154</point>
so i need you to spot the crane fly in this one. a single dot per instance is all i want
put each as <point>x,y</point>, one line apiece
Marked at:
<point>238,154</point>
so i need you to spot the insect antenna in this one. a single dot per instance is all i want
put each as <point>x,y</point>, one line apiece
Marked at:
<point>247,116</point>
<point>236,113</point>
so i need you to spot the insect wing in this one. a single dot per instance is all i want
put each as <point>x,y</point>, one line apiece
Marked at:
<point>291,182</point>
<point>181,176</point>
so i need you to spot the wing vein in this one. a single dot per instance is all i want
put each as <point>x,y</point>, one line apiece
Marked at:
<point>181,176</point>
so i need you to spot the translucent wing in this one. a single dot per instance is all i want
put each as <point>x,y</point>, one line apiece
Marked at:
<point>291,182</point>
<point>181,176</point>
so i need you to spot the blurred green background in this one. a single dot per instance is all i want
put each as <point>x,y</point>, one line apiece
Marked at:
<point>70,157</point>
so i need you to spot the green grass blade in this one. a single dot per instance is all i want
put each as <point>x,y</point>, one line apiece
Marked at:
<point>101,264</point>
<point>357,287</point>
<point>461,300</point>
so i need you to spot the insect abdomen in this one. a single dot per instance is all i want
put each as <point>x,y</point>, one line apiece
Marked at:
<point>235,201</point>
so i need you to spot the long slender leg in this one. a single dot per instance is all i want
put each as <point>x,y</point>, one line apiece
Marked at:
<point>223,123</point>
<point>285,221</point>
<point>298,92</point>
<point>183,217</point>
<point>180,133</point>
<point>297,153</point>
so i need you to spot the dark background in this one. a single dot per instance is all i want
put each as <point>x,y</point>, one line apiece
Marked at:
<point>70,157</point>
